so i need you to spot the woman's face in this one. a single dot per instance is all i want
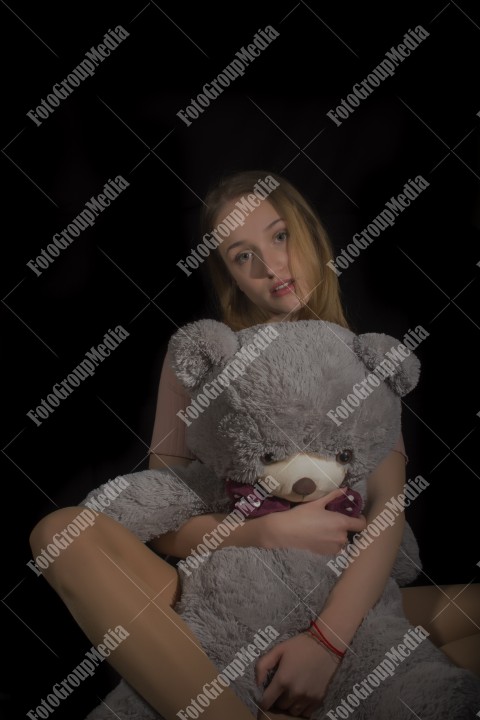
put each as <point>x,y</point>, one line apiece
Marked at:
<point>257,258</point>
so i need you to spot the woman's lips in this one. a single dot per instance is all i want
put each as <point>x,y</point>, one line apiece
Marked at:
<point>287,287</point>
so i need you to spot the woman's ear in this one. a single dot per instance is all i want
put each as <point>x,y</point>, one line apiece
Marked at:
<point>198,347</point>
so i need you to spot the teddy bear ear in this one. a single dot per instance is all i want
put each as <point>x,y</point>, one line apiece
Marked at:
<point>380,353</point>
<point>198,347</point>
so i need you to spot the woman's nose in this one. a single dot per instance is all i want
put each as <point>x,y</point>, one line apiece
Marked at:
<point>273,263</point>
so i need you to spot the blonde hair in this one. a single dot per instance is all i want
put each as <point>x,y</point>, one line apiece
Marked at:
<point>309,248</point>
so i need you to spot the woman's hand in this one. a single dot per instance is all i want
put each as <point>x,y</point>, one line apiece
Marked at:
<point>309,526</point>
<point>304,671</point>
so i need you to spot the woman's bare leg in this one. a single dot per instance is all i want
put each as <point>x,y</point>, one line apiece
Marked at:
<point>107,577</point>
<point>451,614</point>
<point>465,652</point>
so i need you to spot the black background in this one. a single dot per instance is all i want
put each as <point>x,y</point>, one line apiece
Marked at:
<point>423,271</point>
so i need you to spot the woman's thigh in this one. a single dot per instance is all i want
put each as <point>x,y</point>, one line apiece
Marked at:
<point>465,652</point>
<point>103,552</point>
<point>447,612</point>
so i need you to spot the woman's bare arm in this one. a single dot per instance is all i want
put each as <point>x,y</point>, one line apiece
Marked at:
<point>363,582</point>
<point>305,667</point>
<point>307,527</point>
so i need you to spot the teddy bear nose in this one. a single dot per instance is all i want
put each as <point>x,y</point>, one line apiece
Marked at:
<point>304,486</point>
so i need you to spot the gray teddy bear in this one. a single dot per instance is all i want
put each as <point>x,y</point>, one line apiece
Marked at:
<point>293,410</point>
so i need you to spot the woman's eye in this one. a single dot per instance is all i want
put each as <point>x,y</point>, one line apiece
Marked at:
<point>344,457</point>
<point>282,235</point>
<point>242,257</point>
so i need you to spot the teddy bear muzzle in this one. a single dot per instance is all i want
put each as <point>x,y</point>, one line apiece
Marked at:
<point>305,476</point>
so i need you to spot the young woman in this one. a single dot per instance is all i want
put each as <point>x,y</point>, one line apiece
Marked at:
<point>273,268</point>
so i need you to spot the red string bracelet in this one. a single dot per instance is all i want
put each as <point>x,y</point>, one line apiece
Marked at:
<point>317,640</point>
<point>326,642</point>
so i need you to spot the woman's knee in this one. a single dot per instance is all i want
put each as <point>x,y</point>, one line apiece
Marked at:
<point>67,541</point>
<point>58,528</point>
<point>56,533</point>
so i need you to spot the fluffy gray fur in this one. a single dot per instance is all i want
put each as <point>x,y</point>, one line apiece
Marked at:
<point>279,406</point>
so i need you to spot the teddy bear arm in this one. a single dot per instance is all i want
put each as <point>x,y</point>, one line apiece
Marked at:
<point>154,502</point>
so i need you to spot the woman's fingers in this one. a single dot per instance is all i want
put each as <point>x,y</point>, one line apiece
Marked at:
<point>275,689</point>
<point>338,492</point>
<point>265,663</point>
<point>356,524</point>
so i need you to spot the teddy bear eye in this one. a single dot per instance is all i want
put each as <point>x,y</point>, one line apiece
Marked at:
<point>267,458</point>
<point>344,457</point>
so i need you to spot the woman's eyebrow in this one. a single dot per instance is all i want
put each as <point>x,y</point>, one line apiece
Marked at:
<point>235,244</point>
<point>273,223</point>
